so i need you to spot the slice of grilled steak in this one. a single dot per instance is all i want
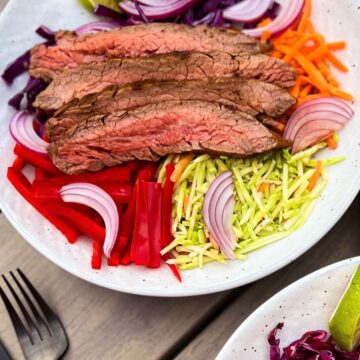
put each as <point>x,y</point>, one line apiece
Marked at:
<point>152,131</point>
<point>92,78</point>
<point>71,50</point>
<point>248,95</point>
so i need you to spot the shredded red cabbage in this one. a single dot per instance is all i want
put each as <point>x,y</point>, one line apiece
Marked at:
<point>16,68</point>
<point>45,32</point>
<point>313,345</point>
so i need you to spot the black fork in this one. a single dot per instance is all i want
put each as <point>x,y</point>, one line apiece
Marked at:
<point>41,336</point>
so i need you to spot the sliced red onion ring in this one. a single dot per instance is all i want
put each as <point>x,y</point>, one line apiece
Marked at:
<point>289,13</point>
<point>96,198</point>
<point>22,130</point>
<point>159,10</point>
<point>247,10</point>
<point>316,120</point>
<point>217,212</point>
<point>96,26</point>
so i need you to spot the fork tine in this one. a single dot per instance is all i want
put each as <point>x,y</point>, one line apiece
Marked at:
<point>26,314</point>
<point>49,314</point>
<point>19,327</point>
<point>33,308</point>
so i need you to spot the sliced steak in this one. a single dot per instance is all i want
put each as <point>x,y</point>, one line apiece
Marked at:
<point>248,95</point>
<point>152,131</point>
<point>92,78</point>
<point>72,50</point>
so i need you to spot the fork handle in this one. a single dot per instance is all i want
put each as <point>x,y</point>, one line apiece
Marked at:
<point>3,353</point>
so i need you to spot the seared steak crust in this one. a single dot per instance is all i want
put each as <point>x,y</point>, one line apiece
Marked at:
<point>92,78</point>
<point>152,131</point>
<point>248,95</point>
<point>72,50</point>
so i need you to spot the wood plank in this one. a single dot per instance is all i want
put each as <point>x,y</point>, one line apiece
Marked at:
<point>341,243</point>
<point>103,324</point>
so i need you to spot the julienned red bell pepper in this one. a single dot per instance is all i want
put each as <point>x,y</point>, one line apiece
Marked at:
<point>129,216</point>
<point>153,194</point>
<point>166,217</point>
<point>125,255</point>
<point>140,247</point>
<point>22,185</point>
<point>45,191</point>
<point>114,259</point>
<point>96,255</point>
<point>37,160</point>
<point>119,174</point>
<point>39,174</point>
<point>86,225</point>
<point>19,163</point>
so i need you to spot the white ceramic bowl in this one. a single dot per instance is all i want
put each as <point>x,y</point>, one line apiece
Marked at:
<point>339,20</point>
<point>303,306</point>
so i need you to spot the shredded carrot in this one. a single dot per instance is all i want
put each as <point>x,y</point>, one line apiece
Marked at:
<point>310,27</point>
<point>306,90</point>
<point>305,17</point>
<point>213,242</point>
<point>180,167</point>
<point>295,91</point>
<point>331,143</point>
<point>315,177</point>
<point>341,94</point>
<point>297,46</point>
<point>336,62</point>
<point>339,45</point>
<point>264,22</point>
<point>263,187</point>
<point>319,52</point>
<point>186,202</point>
<point>266,35</point>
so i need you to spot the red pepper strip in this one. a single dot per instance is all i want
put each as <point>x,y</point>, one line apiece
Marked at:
<point>129,216</point>
<point>39,174</point>
<point>166,217</point>
<point>85,224</point>
<point>45,191</point>
<point>119,174</point>
<point>22,185</point>
<point>133,165</point>
<point>36,159</point>
<point>125,257</point>
<point>153,195</point>
<point>140,247</point>
<point>19,163</point>
<point>114,259</point>
<point>96,255</point>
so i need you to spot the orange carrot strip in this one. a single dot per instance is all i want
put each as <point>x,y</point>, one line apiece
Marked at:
<point>186,202</point>
<point>305,79</point>
<point>319,52</point>
<point>338,45</point>
<point>314,74</point>
<point>310,27</point>
<point>263,187</point>
<point>341,94</point>
<point>305,17</point>
<point>266,35</point>
<point>180,167</point>
<point>277,54</point>
<point>264,22</point>
<point>306,90</point>
<point>297,46</point>
<point>315,177</point>
<point>295,91</point>
<point>333,82</point>
<point>336,62</point>
<point>308,98</point>
<point>331,143</point>
<point>324,69</point>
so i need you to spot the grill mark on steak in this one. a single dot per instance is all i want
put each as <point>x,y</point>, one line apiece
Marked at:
<point>152,131</point>
<point>247,95</point>
<point>72,50</point>
<point>92,78</point>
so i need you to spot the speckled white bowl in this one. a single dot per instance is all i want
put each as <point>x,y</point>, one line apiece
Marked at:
<point>337,19</point>
<point>303,306</point>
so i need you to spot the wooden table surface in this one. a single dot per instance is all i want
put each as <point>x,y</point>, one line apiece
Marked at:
<point>102,324</point>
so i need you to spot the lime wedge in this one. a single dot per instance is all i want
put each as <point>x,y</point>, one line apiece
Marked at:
<point>345,322</point>
<point>90,4</point>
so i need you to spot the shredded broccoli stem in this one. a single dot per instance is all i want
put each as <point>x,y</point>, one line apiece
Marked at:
<point>262,214</point>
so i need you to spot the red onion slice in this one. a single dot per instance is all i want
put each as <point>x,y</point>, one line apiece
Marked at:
<point>289,13</point>
<point>159,12</point>
<point>96,198</point>
<point>247,10</point>
<point>316,120</point>
<point>96,26</point>
<point>22,131</point>
<point>217,212</point>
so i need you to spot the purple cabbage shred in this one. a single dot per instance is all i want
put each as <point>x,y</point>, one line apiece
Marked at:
<point>45,33</point>
<point>16,68</point>
<point>313,345</point>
